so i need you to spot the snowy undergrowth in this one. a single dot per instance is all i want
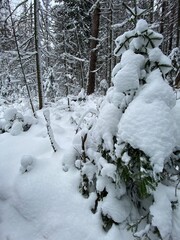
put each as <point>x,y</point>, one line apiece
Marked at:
<point>39,189</point>
<point>130,154</point>
<point>120,151</point>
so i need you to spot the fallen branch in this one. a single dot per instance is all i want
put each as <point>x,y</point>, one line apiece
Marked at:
<point>49,131</point>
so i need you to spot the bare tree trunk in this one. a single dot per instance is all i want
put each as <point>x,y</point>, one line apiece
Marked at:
<point>171,27</point>
<point>151,11</point>
<point>163,9</point>
<point>38,53</point>
<point>93,49</point>
<point>47,32</point>
<point>163,27</point>
<point>178,26</point>
<point>65,55</point>
<point>110,42</point>
<point>177,80</point>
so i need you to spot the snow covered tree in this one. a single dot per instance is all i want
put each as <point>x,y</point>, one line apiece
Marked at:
<point>14,122</point>
<point>18,53</point>
<point>175,72</point>
<point>71,23</point>
<point>167,21</point>
<point>50,87</point>
<point>127,157</point>
<point>18,62</point>
<point>6,44</point>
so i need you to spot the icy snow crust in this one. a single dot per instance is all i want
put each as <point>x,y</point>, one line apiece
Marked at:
<point>39,195</point>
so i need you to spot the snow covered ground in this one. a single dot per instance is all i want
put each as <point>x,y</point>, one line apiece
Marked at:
<point>39,195</point>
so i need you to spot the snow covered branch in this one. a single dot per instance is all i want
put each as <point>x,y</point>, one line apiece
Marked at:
<point>49,130</point>
<point>94,6</point>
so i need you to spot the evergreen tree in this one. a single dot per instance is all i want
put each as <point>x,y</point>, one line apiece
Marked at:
<point>71,23</point>
<point>128,151</point>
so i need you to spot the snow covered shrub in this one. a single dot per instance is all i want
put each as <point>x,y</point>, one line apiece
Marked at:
<point>103,86</point>
<point>127,155</point>
<point>2,126</point>
<point>81,95</point>
<point>175,58</point>
<point>14,122</point>
<point>50,86</point>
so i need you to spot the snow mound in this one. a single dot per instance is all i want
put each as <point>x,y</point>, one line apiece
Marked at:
<point>162,211</point>
<point>127,78</point>
<point>16,128</point>
<point>148,122</point>
<point>157,89</point>
<point>141,26</point>
<point>157,56</point>
<point>106,126</point>
<point>109,170</point>
<point>27,163</point>
<point>176,114</point>
<point>10,114</point>
<point>117,210</point>
<point>14,122</point>
<point>151,128</point>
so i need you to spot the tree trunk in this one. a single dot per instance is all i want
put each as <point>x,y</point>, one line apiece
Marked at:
<point>164,25</point>
<point>47,6</point>
<point>163,10</point>
<point>151,11</point>
<point>81,75</point>
<point>171,21</point>
<point>93,50</point>
<point>177,80</point>
<point>178,26</point>
<point>110,47</point>
<point>38,53</point>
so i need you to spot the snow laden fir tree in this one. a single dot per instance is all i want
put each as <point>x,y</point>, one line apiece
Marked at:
<point>130,158</point>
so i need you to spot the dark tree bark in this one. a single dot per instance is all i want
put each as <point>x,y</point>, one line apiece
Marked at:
<point>163,11</point>
<point>178,26</point>
<point>151,11</point>
<point>38,53</point>
<point>47,41</point>
<point>171,20</point>
<point>110,42</point>
<point>93,48</point>
<point>177,80</point>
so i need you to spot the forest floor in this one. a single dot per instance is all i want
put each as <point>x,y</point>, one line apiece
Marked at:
<point>45,202</point>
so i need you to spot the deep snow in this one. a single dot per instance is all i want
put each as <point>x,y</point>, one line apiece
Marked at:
<point>39,189</point>
<point>44,202</point>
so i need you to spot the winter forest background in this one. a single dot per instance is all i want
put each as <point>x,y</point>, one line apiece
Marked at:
<point>89,119</point>
<point>67,31</point>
